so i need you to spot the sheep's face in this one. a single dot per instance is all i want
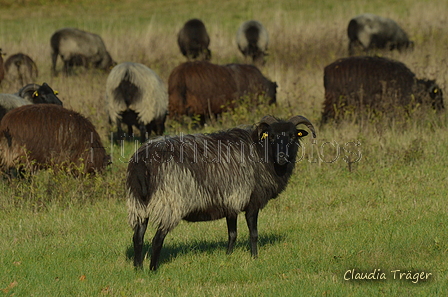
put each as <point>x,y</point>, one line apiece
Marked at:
<point>436,95</point>
<point>282,141</point>
<point>45,94</point>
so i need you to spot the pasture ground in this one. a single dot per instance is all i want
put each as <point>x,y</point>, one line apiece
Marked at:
<point>367,197</point>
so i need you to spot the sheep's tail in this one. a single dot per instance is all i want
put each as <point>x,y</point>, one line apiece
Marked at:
<point>136,210</point>
<point>137,193</point>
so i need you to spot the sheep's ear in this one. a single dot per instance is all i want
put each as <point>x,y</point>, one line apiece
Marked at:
<point>262,132</point>
<point>301,133</point>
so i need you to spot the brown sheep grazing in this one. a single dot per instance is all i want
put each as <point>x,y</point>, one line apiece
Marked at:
<point>250,81</point>
<point>50,136</point>
<point>373,84</point>
<point>205,89</point>
<point>20,68</point>
<point>193,40</point>
<point>200,88</point>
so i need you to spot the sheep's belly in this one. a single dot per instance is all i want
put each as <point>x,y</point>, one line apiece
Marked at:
<point>205,215</point>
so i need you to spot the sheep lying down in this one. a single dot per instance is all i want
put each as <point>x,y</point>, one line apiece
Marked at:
<point>204,177</point>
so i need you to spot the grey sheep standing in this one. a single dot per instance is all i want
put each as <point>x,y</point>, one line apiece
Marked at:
<point>204,177</point>
<point>193,41</point>
<point>372,31</point>
<point>20,68</point>
<point>136,96</point>
<point>78,47</point>
<point>253,40</point>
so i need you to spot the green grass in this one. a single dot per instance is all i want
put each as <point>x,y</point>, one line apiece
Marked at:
<point>62,236</point>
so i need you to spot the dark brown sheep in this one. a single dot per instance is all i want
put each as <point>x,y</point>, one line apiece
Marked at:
<point>357,84</point>
<point>193,40</point>
<point>206,89</point>
<point>48,135</point>
<point>200,88</point>
<point>250,81</point>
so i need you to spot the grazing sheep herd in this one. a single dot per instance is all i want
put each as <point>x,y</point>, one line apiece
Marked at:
<point>195,177</point>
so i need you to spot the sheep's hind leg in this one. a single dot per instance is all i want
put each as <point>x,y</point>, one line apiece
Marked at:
<point>157,243</point>
<point>139,234</point>
<point>252,221</point>
<point>231,228</point>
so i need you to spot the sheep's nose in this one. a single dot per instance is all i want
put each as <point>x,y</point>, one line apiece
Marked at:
<point>281,158</point>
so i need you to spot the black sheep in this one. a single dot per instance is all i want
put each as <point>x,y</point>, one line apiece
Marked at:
<point>204,177</point>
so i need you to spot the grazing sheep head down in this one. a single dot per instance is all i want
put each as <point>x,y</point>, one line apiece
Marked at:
<point>193,40</point>
<point>370,31</point>
<point>435,93</point>
<point>253,40</point>
<point>364,85</point>
<point>204,177</point>
<point>39,94</point>
<point>40,136</point>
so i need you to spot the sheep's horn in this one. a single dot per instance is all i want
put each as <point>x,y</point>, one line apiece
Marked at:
<point>268,120</point>
<point>28,88</point>
<point>297,120</point>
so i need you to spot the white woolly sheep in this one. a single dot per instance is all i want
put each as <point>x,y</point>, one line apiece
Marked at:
<point>136,96</point>
<point>253,40</point>
<point>372,31</point>
<point>10,101</point>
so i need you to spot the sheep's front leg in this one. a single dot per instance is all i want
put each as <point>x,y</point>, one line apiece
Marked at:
<point>231,228</point>
<point>252,221</point>
<point>139,234</point>
<point>157,243</point>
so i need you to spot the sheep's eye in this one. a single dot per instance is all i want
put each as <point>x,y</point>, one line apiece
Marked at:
<point>435,91</point>
<point>299,134</point>
<point>35,94</point>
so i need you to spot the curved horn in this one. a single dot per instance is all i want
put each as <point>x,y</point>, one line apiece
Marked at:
<point>297,120</point>
<point>268,120</point>
<point>28,90</point>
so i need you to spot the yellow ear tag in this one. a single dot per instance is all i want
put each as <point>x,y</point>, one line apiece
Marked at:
<point>265,135</point>
<point>56,92</point>
<point>35,94</point>
<point>299,134</point>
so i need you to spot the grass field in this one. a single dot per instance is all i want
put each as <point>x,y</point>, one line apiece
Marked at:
<point>385,212</point>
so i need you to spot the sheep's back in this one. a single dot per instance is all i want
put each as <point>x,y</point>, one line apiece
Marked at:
<point>50,134</point>
<point>200,88</point>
